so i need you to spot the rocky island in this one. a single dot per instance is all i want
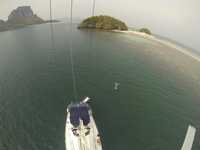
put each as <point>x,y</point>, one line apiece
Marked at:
<point>21,17</point>
<point>102,22</point>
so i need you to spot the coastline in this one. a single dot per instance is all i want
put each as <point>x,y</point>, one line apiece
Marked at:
<point>162,41</point>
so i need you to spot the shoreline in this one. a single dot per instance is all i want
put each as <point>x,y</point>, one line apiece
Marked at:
<point>162,41</point>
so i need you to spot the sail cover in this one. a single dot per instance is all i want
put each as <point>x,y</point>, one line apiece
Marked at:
<point>83,110</point>
<point>74,114</point>
<point>79,111</point>
<point>187,145</point>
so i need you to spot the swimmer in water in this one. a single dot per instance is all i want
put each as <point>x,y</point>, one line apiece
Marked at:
<point>116,85</point>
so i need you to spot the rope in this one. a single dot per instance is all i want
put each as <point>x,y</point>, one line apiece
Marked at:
<point>197,126</point>
<point>93,8</point>
<point>93,22</point>
<point>72,62</point>
<point>164,143</point>
<point>71,48</point>
<point>52,37</point>
<point>90,44</point>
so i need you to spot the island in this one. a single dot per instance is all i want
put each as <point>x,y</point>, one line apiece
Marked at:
<point>145,30</point>
<point>103,22</point>
<point>2,25</point>
<point>21,17</point>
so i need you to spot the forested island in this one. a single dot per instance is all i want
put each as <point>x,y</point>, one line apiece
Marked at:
<point>21,17</point>
<point>145,30</point>
<point>102,22</point>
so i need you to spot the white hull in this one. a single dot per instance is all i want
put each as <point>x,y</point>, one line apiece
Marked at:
<point>82,141</point>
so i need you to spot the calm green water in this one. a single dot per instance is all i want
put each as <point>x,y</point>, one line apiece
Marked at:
<point>156,101</point>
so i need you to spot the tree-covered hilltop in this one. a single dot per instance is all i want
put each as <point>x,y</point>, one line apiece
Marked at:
<point>102,22</point>
<point>21,17</point>
<point>145,30</point>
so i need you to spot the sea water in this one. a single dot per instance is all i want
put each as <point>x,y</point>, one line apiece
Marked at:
<point>158,96</point>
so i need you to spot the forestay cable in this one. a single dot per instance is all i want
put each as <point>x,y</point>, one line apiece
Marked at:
<point>93,8</point>
<point>91,38</point>
<point>72,62</point>
<point>93,23</point>
<point>52,36</point>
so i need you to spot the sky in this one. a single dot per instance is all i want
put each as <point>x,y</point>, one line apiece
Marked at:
<point>178,20</point>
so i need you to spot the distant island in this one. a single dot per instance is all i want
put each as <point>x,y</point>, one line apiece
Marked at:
<point>21,17</point>
<point>145,30</point>
<point>103,22</point>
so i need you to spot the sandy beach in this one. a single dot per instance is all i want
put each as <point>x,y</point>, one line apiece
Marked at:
<point>162,41</point>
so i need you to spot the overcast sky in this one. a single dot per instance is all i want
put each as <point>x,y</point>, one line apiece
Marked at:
<point>175,19</point>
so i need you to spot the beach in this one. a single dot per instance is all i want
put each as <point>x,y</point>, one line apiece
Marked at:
<point>162,41</point>
<point>181,60</point>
